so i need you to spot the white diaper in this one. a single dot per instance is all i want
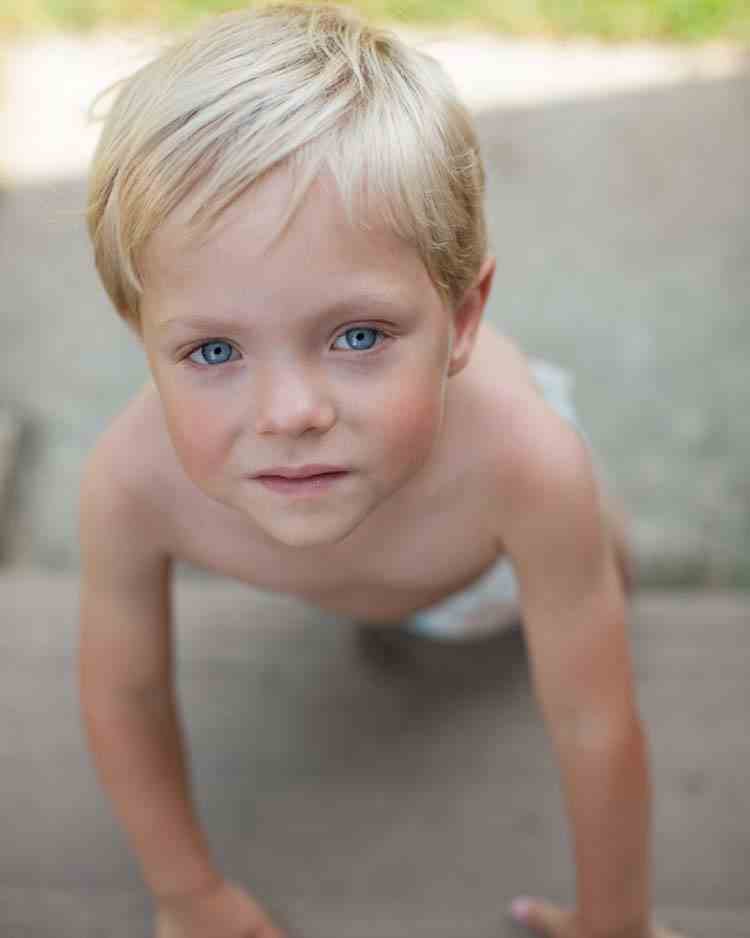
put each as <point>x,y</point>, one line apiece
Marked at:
<point>478,610</point>
<point>485,606</point>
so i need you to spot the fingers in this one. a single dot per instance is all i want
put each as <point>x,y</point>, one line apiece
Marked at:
<point>659,931</point>
<point>553,921</point>
<point>545,918</point>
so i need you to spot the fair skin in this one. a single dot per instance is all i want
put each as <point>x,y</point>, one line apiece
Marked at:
<point>437,419</point>
<point>377,412</point>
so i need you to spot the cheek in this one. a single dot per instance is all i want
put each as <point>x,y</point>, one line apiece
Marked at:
<point>199,435</point>
<point>412,420</point>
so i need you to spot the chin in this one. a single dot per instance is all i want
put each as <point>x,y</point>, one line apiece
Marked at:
<point>310,533</point>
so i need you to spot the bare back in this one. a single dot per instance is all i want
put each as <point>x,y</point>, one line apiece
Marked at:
<point>410,552</point>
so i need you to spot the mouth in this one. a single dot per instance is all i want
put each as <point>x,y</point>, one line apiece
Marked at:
<point>307,485</point>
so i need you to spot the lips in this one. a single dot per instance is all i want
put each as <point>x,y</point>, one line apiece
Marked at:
<point>313,475</point>
<point>302,486</point>
<point>302,472</point>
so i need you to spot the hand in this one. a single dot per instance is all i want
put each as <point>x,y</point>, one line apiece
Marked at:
<point>224,911</point>
<point>554,921</point>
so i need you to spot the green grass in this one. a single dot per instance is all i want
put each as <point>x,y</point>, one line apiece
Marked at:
<point>679,20</point>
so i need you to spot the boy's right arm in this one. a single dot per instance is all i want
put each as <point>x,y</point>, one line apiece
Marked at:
<point>129,707</point>
<point>126,681</point>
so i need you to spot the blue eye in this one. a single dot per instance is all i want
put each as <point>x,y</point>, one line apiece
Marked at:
<point>361,338</point>
<point>219,352</point>
<point>213,353</point>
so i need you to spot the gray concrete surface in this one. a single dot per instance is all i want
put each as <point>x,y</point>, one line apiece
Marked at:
<point>363,789</point>
<point>618,204</point>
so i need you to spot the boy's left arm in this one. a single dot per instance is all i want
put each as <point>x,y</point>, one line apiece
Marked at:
<point>575,622</point>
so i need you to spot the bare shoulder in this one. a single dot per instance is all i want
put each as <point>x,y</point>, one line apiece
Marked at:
<point>125,595</point>
<point>544,474</point>
<point>550,520</point>
<point>126,473</point>
<point>540,467</point>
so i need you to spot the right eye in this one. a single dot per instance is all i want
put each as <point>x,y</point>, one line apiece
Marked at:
<point>216,352</point>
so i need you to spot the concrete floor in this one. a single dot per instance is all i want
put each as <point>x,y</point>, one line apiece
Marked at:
<point>361,789</point>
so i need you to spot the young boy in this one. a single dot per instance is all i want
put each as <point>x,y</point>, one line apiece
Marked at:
<point>287,209</point>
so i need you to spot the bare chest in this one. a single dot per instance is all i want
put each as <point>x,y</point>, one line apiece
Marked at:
<point>405,565</point>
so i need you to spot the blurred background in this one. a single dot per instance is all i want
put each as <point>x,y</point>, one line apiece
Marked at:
<point>615,135</point>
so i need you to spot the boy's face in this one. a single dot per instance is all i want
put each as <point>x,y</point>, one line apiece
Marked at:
<point>329,347</point>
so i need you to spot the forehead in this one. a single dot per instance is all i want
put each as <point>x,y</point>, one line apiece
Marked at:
<point>319,251</point>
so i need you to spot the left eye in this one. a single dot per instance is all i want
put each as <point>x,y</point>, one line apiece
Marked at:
<point>361,337</point>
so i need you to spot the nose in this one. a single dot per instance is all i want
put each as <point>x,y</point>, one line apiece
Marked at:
<point>289,402</point>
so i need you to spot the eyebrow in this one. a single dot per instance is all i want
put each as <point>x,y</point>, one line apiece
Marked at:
<point>201,323</point>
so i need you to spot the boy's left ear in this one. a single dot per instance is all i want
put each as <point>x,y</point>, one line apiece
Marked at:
<point>468,315</point>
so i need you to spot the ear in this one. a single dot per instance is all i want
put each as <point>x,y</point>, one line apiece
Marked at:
<point>468,315</point>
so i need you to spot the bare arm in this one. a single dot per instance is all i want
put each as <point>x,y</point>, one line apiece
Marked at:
<point>137,746</point>
<point>608,798</point>
<point>574,613</point>
<point>126,683</point>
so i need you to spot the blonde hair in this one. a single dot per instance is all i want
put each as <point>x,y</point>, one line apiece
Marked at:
<point>312,85</point>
